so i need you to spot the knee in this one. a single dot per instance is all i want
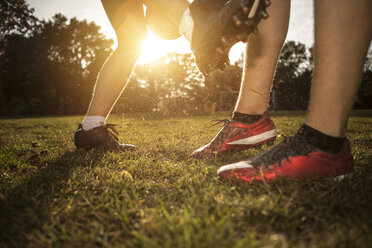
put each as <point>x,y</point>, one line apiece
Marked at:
<point>161,25</point>
<point>131,33</point>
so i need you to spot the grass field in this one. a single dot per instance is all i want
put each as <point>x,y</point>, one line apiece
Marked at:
<point>52,195</point>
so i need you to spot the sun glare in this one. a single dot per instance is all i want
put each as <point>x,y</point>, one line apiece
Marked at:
<point>153,48</point>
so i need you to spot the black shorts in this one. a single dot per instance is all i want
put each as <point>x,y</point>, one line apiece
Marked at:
<point>117,11</point>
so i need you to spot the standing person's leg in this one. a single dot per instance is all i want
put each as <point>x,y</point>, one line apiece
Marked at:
<point>343,31</point>
<point>261,57</point>
<point>250,125</point>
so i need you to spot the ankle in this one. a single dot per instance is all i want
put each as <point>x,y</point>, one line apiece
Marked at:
<point>246,118</point>
<point>91,122</point>
<point>321,140</point>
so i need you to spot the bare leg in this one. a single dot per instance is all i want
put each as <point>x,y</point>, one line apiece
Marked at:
<point>113,77</point>
<point>173,10</point>
<point>343,31</point>
<point>129,24</point>
<point>261,57</point>
<point>119,66</point>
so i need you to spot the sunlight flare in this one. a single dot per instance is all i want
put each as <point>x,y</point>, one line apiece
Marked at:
<point>153,48</point>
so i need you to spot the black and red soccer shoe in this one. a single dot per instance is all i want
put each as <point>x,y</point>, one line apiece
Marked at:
<point>236,136</point>
<point>218,25</point>
<point>294,158</point>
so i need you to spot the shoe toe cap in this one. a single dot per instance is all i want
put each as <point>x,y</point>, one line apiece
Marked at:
<point>127,147</point>
<point>231,167</point>
<point>200,152</point>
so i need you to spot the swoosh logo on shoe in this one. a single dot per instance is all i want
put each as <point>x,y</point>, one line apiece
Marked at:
<point>239,165</point>
<point>255,139</point>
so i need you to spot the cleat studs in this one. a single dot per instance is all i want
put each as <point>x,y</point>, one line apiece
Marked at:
<point>259,147</point>
<point>267,3</point>
<point>237,21</point>
<point>219,50</point>
<point>270,143</point>
<point>254,8</point>
<point>245,9</point>
<point>223,39</point>
<point>249,22</point>
<point>264,14</point>
<point>239,37</point>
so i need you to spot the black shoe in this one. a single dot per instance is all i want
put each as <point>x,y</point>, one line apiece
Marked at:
<point>103,137</point>
<point>218,25</point>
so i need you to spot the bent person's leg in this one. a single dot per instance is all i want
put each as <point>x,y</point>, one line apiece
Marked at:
<point>250,125</point>
<point>343,31</point>
<point>127,19</point>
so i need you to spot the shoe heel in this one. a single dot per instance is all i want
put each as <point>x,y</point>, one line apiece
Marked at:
<point>344,177</point>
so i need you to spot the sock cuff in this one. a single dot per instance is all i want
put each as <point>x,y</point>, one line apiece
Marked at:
<point>245,118</point>
<point>321,140</point>
<point>90,122</point>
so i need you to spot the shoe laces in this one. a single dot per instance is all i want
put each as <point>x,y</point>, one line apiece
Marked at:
<point>212,123</point>
<point>110,130</point>
<point>292,146</point>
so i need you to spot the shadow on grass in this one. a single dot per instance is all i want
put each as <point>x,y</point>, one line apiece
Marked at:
<point>27,206</point>
<point>319,208</point>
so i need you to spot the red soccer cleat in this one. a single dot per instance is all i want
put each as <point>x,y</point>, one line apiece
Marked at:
<point>293,158</point>
<point>236,136</point>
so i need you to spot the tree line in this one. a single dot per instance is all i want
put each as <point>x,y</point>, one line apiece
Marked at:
<point>50,67</point>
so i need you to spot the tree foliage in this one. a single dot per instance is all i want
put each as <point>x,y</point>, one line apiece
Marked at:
<point>50,67</point>
<point>16,17</point>
<point>53,70</point>
<point>171,84</point>
<point>291,86</point>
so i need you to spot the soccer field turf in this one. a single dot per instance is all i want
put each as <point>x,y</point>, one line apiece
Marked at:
<point>52,195</point>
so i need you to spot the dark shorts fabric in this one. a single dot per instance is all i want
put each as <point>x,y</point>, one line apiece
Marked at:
<point>117,10</point>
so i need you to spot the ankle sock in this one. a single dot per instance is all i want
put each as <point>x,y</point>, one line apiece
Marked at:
<point>91,122</point>
<point>320,140</point>
<point>186,26</point>
<point>245,118</point>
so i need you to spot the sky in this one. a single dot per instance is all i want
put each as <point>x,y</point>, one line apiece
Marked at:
<point>300,27</point>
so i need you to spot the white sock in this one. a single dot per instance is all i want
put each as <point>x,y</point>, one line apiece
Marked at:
<point>91,122</point>
<point>186,25</point>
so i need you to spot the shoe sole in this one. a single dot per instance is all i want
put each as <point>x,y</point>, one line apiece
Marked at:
<point>246,16</point>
